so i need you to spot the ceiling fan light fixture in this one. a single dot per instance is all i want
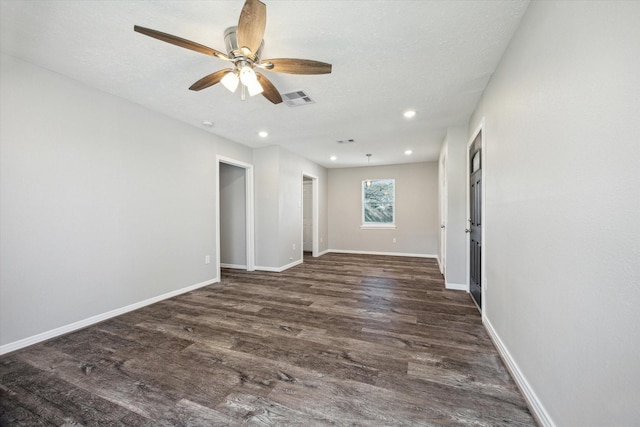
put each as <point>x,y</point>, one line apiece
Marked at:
<point>230,81</point>
<point>254,88</point>
<point>249,78</point>
<point>247,75</point>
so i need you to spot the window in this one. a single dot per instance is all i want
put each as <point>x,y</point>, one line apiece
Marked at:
<point>378,203</point>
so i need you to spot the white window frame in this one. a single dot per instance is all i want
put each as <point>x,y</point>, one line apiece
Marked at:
<point>377,225</point>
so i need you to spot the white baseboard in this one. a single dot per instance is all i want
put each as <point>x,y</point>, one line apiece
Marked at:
<point>326,251</point>
<point>342,251</point>
<point>279,269</point>
<point>271,269</point>
<point>456,286</point>
<point>234,266</point>
<point>25,342</point>
<point>539,412</point>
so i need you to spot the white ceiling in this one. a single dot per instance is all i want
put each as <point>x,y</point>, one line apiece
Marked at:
<point>435,57</point>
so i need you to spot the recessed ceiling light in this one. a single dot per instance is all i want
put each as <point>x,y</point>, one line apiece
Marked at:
<point>409,113</point>
<point>408,152</point>
<point>333,158</point>
<point>263,133</point>
<point>207,123</point>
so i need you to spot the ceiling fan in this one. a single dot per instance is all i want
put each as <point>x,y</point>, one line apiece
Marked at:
<point>244,45</point>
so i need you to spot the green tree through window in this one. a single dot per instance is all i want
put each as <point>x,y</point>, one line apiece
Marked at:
<point>378,199</point>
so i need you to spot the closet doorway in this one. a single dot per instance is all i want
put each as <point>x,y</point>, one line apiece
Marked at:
<point>234,226</point>
<point>309,215</point>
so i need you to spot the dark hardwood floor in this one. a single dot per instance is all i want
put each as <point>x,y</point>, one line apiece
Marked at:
<point>339,340</point>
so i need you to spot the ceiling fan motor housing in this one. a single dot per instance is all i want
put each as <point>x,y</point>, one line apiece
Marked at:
<point>234,51</point>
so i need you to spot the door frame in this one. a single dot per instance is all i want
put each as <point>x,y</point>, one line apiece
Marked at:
<point>249,210</point>
<point>314,214</point>
<point>483,200</point>
<point>442,187</point>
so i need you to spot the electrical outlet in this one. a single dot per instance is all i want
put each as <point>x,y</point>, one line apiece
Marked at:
<point>207,259</point>
<point>294,246</point>
<point>394,240</point>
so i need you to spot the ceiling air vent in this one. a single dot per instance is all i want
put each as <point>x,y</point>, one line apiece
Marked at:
<point>297,98</point>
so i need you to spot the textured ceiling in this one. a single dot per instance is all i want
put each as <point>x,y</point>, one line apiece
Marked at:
<point>435,57</point>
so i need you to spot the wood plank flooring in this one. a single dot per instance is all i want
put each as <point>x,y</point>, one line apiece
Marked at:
<point>340,340</point>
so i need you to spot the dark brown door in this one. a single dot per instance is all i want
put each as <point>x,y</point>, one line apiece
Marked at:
<point>475,220</point>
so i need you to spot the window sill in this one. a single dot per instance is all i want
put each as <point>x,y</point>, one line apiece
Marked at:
<point>377,227</point>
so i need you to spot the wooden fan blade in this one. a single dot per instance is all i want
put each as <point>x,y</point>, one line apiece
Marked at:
<point>210,80</point>
<point>269,90</point>
<point>253,20</point>
<point>187,44</point>
<point>298,66</point>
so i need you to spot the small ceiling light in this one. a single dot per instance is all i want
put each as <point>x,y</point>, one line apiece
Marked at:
<point>409,114</point>
<point>368,180</point>
<point>333,158</point>
<point>207,123</point>
<point>263,133</point>
<point>230,81</point>
<point>408,152</point>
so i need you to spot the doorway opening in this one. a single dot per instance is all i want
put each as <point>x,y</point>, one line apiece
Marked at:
<point>309,215</point>
<point>234,224</point>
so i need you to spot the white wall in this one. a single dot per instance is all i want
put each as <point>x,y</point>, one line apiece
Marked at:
<point>454,150</point>
<point>417,229</point>
<point>562,206</point>
<point>290,205</point>
<point>278,180</point>
<point>266,180</point>
<point>233,240</point>
<point>103,204</point>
